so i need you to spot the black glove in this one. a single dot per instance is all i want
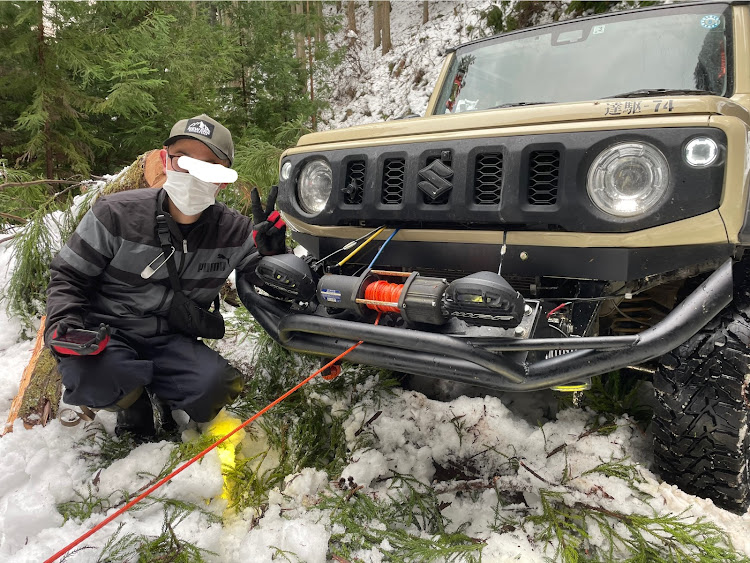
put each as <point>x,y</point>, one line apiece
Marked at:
<point>269,229</point>
<point>68,341</point>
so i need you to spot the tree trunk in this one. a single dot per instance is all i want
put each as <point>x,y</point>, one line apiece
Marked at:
<point>312,83</point>
<point>41,52</point>
<point>386,25</point>
<point>224,16</point>
<point>319,35</point>
<point>299,39</point>
<point>243,83</point>
<point>351,20</point>
<point>425,12</point>
<point>377,21</point>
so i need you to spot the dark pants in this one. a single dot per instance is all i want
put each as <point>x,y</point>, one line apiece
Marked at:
<point>182,371</point>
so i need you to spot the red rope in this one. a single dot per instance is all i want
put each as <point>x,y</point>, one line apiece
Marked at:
<point>382,290</point>
<point>190,462</point>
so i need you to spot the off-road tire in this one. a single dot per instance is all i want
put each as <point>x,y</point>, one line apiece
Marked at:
<point>700,425</point>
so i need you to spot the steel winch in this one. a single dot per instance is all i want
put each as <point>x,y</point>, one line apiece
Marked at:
<point>482,298</point>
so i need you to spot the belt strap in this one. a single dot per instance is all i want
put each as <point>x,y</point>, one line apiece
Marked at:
<point>162,229</point>
<point>165,241</point>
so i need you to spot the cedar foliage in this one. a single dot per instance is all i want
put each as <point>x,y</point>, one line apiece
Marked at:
<point>88,86</point>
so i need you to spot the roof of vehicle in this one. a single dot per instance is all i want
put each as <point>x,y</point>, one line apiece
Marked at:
<point>599,16</point>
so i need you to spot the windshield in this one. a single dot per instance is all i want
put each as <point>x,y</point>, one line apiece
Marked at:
<point>681,48</point>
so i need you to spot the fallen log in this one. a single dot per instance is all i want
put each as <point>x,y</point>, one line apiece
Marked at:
<point>38,397</point>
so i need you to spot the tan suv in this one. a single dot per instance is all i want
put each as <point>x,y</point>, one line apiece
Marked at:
<point>574,201</point>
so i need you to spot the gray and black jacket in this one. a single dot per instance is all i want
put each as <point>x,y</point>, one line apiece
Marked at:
<point>96,277</point>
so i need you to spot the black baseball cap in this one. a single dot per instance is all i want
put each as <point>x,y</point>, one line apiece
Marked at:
<point>206,130</point>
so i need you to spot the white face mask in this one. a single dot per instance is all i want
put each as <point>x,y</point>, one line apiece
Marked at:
<point>189,194</point>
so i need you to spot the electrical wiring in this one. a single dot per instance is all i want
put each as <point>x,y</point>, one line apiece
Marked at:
<point>347,246</point>
<point>556,309</point>
<point>393,234</point>
<point>361,246</point>
<point>558,329</point>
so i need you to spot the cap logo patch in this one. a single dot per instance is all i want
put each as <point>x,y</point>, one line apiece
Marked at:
<point>200,127</point>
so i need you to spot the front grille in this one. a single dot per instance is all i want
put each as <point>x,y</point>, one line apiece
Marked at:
<point>354,185</point>
<point>511,183</point>
<point>544,173</point>
<point>488,179</point>
<point>393,181</point>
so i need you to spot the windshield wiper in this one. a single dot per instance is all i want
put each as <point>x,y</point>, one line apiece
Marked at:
<point>660,92</point>
<point>515,104</point>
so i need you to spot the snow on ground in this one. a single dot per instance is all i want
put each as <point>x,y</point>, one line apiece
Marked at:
<point>43,467</point>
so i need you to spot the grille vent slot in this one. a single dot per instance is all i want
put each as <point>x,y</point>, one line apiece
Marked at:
<point>544,175</point>
<point>393,181</point>
<point>488,179</point>
<point>354,186</point>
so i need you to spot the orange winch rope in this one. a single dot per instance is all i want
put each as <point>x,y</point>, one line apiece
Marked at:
<point>383,291</point>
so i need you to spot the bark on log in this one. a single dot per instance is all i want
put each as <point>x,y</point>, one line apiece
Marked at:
<point>38,397</point>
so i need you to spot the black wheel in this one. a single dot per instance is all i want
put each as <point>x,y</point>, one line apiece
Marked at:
<point>701,440</point>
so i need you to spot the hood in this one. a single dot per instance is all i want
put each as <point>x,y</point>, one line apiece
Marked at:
<point>609,109</point>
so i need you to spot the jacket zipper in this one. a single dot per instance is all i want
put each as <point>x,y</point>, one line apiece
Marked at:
<point>183,257</point>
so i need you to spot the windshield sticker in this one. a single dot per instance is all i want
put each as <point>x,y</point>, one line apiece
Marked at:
<point>597,30</point>
<point>711,22</point>
<point>639,107</point>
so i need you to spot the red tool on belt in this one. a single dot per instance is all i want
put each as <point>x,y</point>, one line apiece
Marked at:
<point>79,342</point>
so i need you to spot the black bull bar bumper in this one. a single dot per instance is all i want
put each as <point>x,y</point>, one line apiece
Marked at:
<point>463,360</point>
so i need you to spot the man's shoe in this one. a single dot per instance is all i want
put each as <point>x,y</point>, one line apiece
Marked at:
<point>137,420</point>
<point>166,426</point>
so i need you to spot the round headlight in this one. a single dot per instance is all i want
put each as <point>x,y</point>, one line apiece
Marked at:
<point>286,171</point>
<point>628,179</point>
<point>314,186</point>
<point>701,152</point>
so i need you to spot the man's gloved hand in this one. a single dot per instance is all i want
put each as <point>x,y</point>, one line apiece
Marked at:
<point>269,229</point>
<point>69,341</point>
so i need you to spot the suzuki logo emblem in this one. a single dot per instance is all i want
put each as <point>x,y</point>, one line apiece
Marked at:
<point>436,178</point>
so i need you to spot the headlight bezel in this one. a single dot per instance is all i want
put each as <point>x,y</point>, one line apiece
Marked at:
<point>305,170</point>
<point>603,192</point>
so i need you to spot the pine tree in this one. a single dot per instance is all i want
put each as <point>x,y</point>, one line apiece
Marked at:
<point>105,79</point>
<point>276,79</point>
<point>49,125</point>
<point>16,74</point>
<point>163,61</point>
